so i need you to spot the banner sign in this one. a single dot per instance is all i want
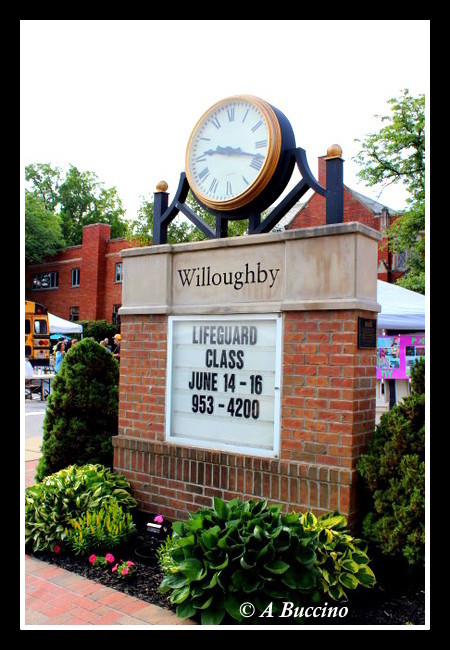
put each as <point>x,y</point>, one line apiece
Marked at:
<point>223,388</point>
<point>396,355</point>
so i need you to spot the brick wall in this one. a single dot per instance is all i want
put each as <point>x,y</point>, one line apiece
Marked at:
<point>98,292</point>
<point>314,214</point>
<point>328,411</point>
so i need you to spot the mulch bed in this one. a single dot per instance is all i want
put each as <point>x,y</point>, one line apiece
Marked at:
<point>396,599</point>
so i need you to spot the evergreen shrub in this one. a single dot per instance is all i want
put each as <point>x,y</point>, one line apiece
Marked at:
<point>393,470</point>
<point>82,410</point>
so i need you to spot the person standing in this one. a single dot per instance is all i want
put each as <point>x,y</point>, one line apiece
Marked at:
<point>105,344</point>
<point>116,351</point>
<point>59,355</point>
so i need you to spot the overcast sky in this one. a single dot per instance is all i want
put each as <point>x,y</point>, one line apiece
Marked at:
<point>121,97</point>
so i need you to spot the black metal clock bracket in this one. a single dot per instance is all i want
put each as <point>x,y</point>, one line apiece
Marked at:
<point>164,214</point>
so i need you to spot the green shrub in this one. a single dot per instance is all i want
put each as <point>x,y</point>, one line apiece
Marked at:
<point>100,530</point>
<point>393,470</point>
<point>68,494</point>
<point>224,556</point>
<point>99,329</point>
<point>82,410</point>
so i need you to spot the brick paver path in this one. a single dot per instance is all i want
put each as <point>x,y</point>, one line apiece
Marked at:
<point>54,596</point>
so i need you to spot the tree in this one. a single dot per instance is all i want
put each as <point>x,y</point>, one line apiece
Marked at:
<point>82,410</point>
<point>43,235</point>
<point>181,229</point>
<point>396,154</point>
<point>44,180</point>
<point>78,199</point>
<point>84,201</point>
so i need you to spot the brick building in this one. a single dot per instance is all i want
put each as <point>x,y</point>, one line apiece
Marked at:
<point>81,282</point>
<point>356,208</point>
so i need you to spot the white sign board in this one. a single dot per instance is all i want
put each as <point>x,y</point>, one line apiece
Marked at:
<point>223,382</point>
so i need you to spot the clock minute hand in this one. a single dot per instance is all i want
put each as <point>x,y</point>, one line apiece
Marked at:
<point>231,151</point>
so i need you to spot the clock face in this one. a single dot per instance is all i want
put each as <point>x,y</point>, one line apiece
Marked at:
<point>233,152</point>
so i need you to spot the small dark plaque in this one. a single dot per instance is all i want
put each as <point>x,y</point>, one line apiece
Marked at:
<point>367,332</point>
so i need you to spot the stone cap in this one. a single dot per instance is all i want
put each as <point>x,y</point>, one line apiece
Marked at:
<point>324,267</point>
<point>247,240</point>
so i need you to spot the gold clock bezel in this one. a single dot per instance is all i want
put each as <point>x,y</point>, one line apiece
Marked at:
<point>267,170</point>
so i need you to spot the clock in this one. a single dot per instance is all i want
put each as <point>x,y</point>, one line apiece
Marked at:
<point>239,157</point>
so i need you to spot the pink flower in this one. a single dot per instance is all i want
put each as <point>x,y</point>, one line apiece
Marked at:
<point>114,568</point>
<point>158,519</point>
<point>56,548</point>
<point>92,558</point>
<point>125,570</point>
<point>130,563</point>
<point>109,558</point>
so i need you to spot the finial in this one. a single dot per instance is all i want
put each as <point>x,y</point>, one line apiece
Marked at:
<point>334,151</point>
<point>162,186</point>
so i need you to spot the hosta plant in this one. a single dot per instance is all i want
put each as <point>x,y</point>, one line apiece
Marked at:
<point>66,495</point>
<point>244,551</point>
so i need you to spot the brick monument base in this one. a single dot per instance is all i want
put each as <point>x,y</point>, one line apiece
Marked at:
<point>324,283</point>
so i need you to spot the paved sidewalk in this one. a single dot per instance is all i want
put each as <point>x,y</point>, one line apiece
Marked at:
<point>56,597</point>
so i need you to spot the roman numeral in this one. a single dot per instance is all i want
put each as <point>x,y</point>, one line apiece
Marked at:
<point>257,162</point>
<point>204,173</point>
<point>201,158</point>
<point>230,113</point>
<point>213,186</point>
<point>216,122</point>
<point>256,126</point>
<point>261,144</point>
<point>246,113</point>
<point>229,190</point>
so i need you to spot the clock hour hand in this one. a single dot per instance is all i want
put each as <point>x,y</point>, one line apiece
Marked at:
<point>231,151</point>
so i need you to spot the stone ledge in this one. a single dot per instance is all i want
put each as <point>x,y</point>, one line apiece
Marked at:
<point>247,240</point>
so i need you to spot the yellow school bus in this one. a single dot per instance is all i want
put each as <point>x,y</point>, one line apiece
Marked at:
<point>37,334</point>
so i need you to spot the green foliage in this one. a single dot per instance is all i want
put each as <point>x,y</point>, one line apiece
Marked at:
<point>180,230</point>
<point>99,530</point>
<point>84,201</point>
<point>66,495</point>
<point>82,410</point>
<point>43,236</point>
<point>99,329</point>
<point>238,551</point>
<point>78,199</point>
<point>396,154</point>
<point>44,183</point>
<point>394,473</point>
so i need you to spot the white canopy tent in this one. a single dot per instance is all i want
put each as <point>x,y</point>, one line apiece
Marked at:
<point>401,309</point>
<point>60,326</point>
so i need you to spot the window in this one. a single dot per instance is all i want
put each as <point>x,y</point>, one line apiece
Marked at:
<point>45,280</point>
<point>76,277</point>
<point>115,318</point>
<point>118,276</point>
<point>40,326</point>
<point>74,313</point>
<point>400,261</point>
